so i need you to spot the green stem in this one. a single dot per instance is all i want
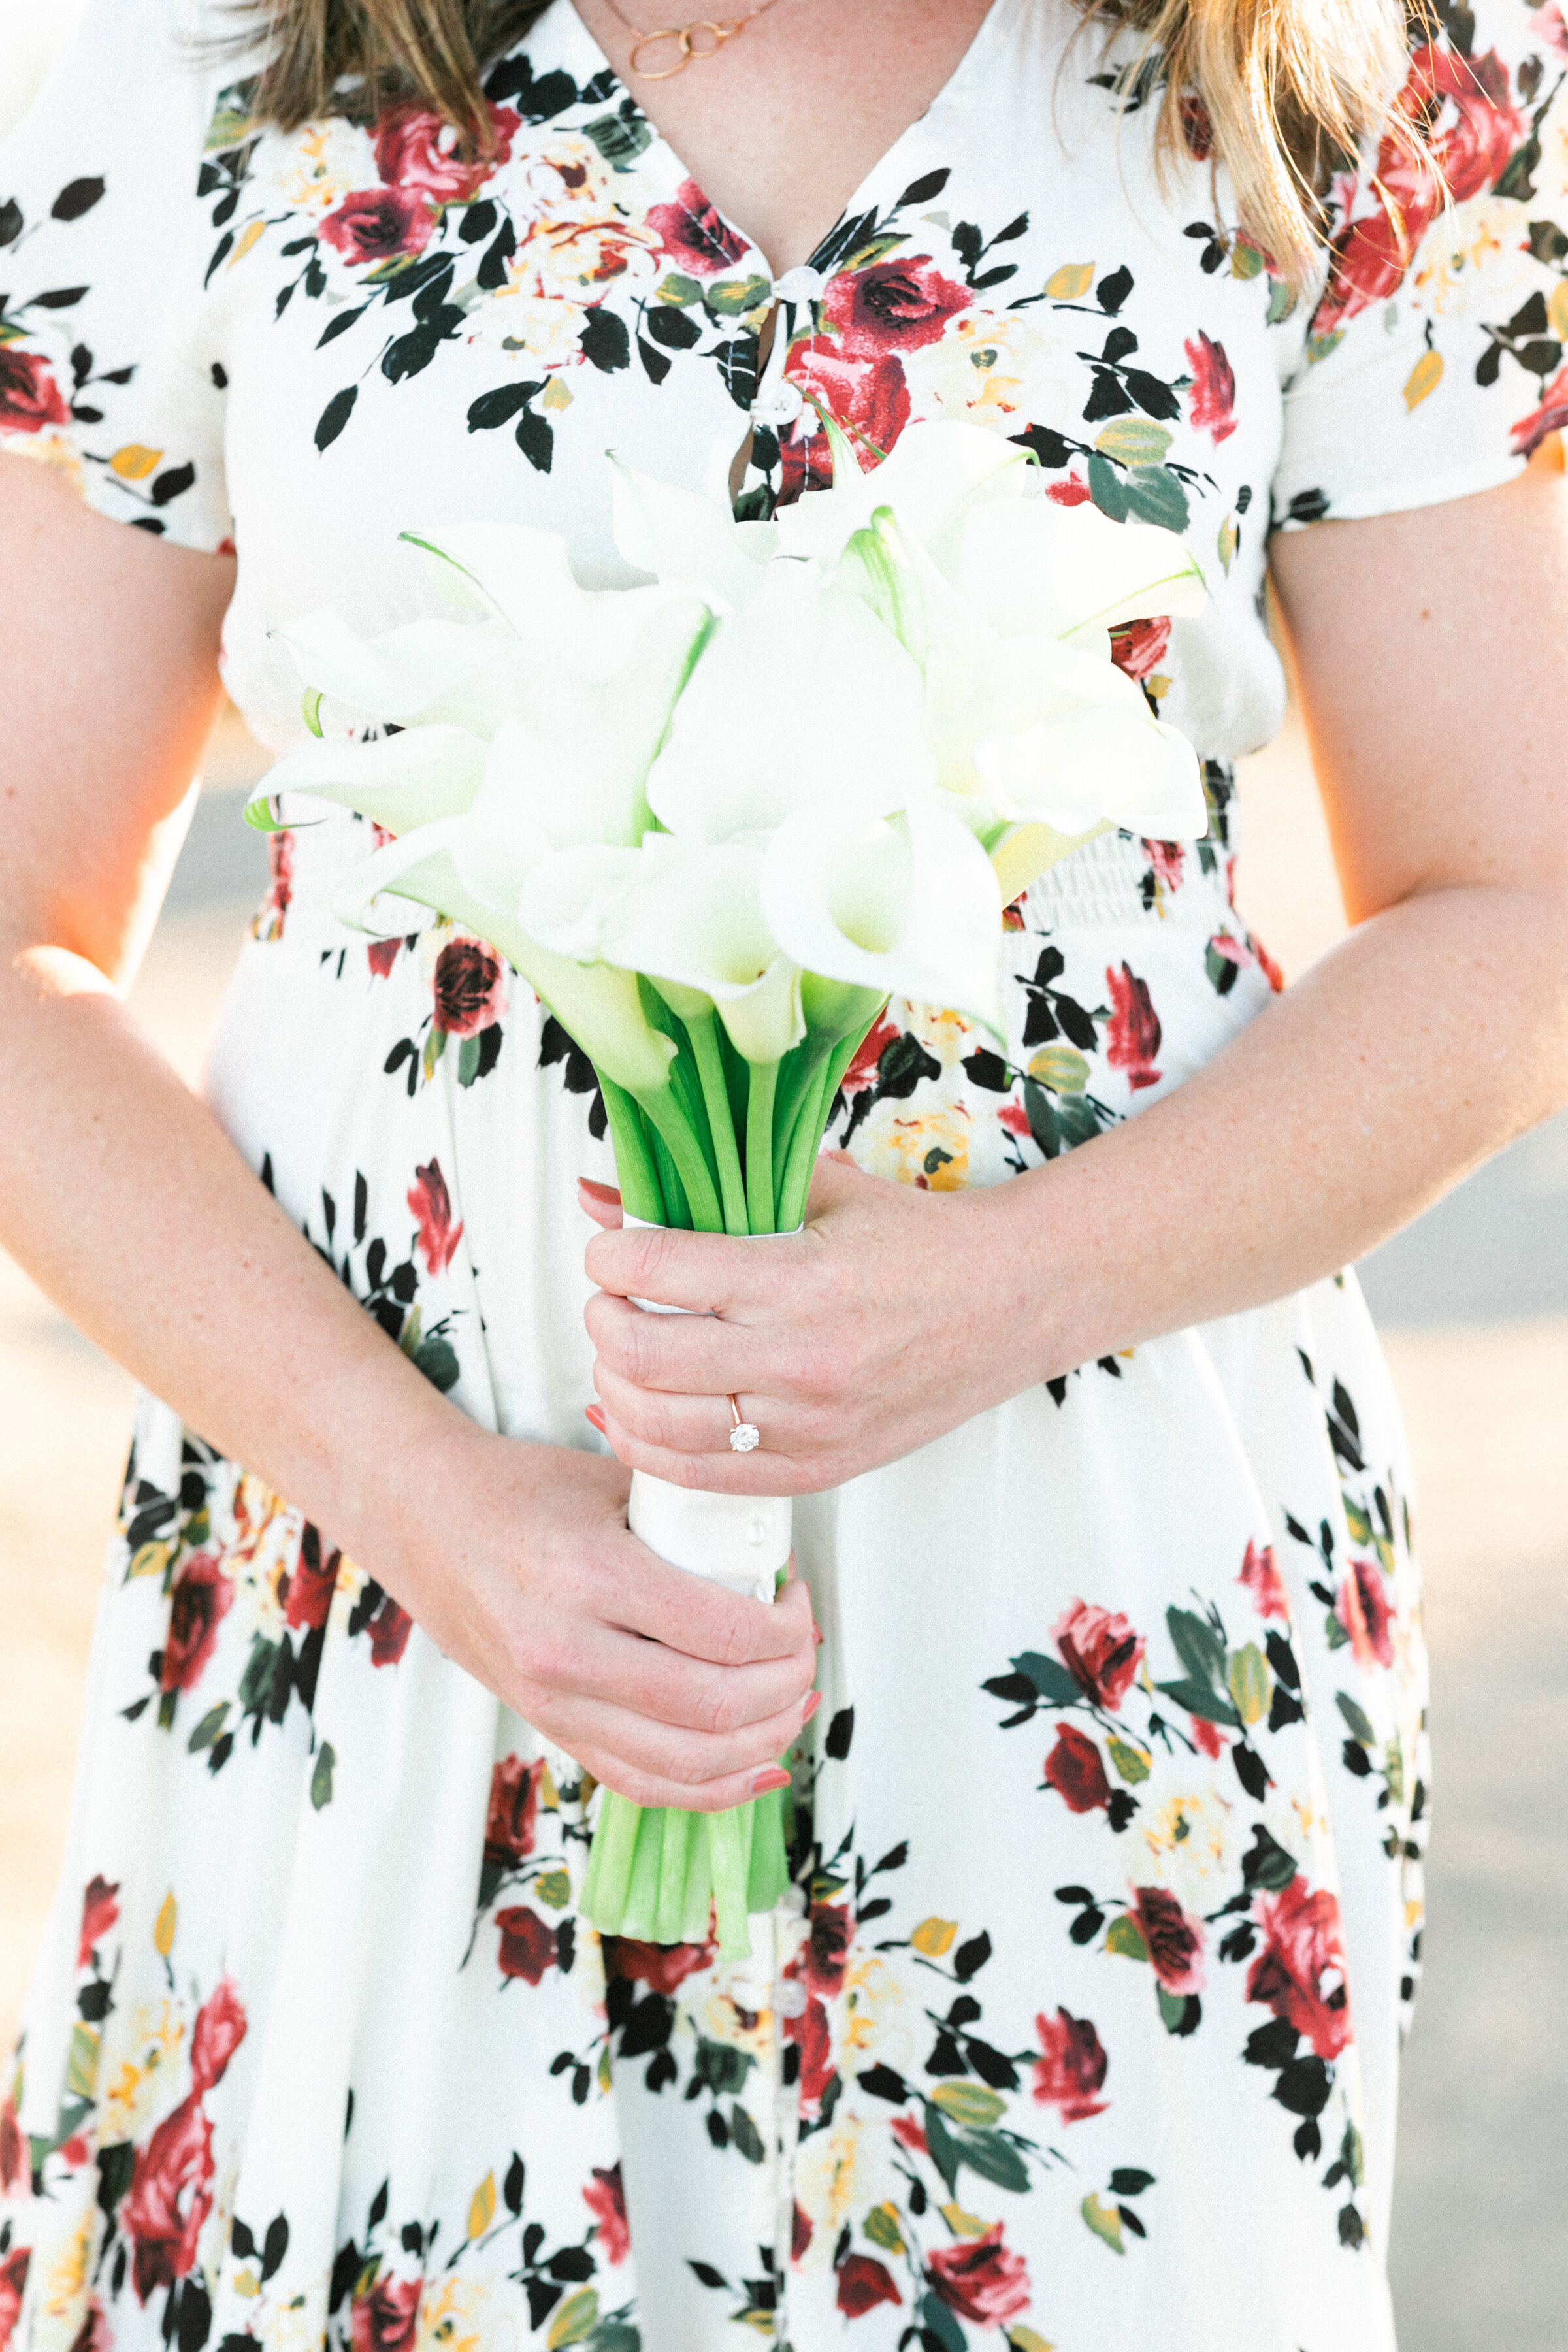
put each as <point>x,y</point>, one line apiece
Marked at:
<point>614,1845</point>
<point>641,1914</point>
<point>642,1195</point>
<point>803,1149</point>
<point>691,1165</point>
<point>703,1031</point>
<point>680,1830</point>
<point>760,1147</point>
<point>727,1862</point>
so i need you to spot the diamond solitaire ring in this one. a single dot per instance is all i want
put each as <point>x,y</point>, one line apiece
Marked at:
<point>745,1436</point>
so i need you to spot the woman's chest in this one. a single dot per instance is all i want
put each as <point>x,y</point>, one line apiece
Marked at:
<point>410,339</point>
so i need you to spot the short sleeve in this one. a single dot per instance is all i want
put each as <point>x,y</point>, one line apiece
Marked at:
<point>101,372</point>
<point>1433,363</point>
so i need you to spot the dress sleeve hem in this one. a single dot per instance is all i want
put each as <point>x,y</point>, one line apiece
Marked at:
<point>1405,496</point>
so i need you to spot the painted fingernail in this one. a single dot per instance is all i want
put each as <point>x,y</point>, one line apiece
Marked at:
<point>818,1636</point>
<point>595,1413</point>
<point>813,1701</point>
<point>774,1776</point>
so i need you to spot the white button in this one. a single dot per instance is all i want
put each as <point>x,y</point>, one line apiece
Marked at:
<point>801,284</point>
<point>792,1901</point>
<point>789,1999</point>
<point>779,405</point>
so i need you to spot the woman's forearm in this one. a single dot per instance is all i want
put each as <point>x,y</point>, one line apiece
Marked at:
<point>1425,1041</point>
<point>124,1200</point>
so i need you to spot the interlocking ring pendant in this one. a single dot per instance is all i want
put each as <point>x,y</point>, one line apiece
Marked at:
<point>690,45</point>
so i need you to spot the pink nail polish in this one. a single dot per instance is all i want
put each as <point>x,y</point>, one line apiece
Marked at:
<point>813,1701</point>
<point>595,1413</point>
<point>774,1776</point>
<point>818,1636</point>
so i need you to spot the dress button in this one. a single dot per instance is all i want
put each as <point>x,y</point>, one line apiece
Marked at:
<point>779,405</point>
<point>789,1999</point>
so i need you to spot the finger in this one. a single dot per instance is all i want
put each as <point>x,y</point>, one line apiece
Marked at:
<point>677,1760</point>
<point>681,1425</point>
<point>699,1354</point>
<point>698,1619</point>
<point>601,1202</point>
<point>768,1470</point>
<point>649,1788</point>
<point>708,1273</point>
<point>645,1679</point>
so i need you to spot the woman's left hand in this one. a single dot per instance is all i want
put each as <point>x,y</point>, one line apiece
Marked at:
<point>893,1316</point>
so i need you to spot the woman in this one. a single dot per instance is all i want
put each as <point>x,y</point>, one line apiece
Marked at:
<point>1081,2029</point>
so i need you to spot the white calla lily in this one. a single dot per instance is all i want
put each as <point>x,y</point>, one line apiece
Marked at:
<point>804,697</point>
<point>598,1006</point>
<point>694,922</point>
<point>909,907</point>
<point>933,472</point>
<point>424,671</point>
<point>689,541</point>
<point>523,576</point>
<point>400,782</point>
<point>1032,568</point>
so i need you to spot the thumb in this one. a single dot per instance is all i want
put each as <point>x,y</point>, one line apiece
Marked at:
<point>601,1202</point>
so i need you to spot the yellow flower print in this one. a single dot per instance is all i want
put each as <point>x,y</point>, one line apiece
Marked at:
<point>983,370</point>
<point>140,2068</point>
<point>315,168</point>
<point>53,450</point>
<point>458,2318</point>
<point>62,2305</point>
<point>875,2030</point>
<point>1187,1841</point>
<point>1478,237</point>
<point>846,2171</point>
<point>724,2018</point>
<point>929,1150</point>
<point>574,253</point>
<point>567,171</point>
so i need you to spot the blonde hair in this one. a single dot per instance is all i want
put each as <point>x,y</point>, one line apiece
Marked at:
<point>1279,90</point>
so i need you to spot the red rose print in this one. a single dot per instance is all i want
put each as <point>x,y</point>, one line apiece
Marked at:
<point>1362,1608</point>
<point>1071,2068</point>
<point>911,2131</point>
<point>13,2280</point>
<point>1531,431</point>
<point>379,225</point>
<point>1469,147</point>
<point>469,994</point>
<point>867,396</point>
<point>1138,647</point>
<point>828,1950</point>
<point>863,2283</point>
<point>661,1967</point>
<point>1016,1119</point>
<point>417,150</point>
<point>201,1597</point>
<point>694,234</point>
<point>171,2197</point>
<point>1168,860</point>
<point>274,906</point>
<point>1301,1971</point>
<point>12,2152</point>
<point>94,2335</point>
<point>607,2200</point>
<point>1074,1770</point>
<point>389,1629</point>
<point>980,2279</point>
<point>1175,1942</point>
<point>1211,403</point>
<point>1071,492</point>
<point>1264,1582</point>
<point>220,2028</point>
<point>514,1806</point>
<point>381,955</point>
<point>810,2031</point>
<point>1101,1651</point>
<point>902,304</point>
<point>99,1910</point>
<point>312,1582</point>
<point>862,1070</point>
<point>431,1203</point>
<point>387,2319</point>
<point>800,2235</point>
<point>527,1945</point>
<point>1133,1034</point>
<point>29,396</point>
<point>1207,1735</point>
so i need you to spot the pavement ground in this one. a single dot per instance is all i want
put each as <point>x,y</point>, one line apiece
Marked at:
<point>1473,1301</point>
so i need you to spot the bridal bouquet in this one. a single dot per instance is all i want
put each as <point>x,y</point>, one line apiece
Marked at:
<point>715,821</point>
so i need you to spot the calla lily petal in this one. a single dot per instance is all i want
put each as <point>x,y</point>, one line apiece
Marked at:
<point>599,1008</point>
<point>524,577</point>
<point>401,782</point>
<point>566,900</point>
<point>1025,852</point>
<point>909,909</point>
<point>802,697</point>
<point>689,541</point>
<point>929,475</point>
<point>424,670</point>
<point>1031,567</point>
<point>1093,765</point>
<point>696,919</point>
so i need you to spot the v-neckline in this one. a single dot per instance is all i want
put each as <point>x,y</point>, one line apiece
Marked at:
<point>966,67</point>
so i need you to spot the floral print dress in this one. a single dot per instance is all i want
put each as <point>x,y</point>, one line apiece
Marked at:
<point>1080,2025</point>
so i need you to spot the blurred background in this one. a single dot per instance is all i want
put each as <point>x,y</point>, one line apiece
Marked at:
<point>1473,1305</point>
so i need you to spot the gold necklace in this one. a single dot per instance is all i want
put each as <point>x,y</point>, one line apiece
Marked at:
<point>703,37</point>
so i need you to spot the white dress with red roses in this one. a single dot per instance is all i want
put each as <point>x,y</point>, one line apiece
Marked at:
<point>1080,2027</point>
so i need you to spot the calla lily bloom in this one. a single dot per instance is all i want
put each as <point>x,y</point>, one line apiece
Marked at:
<point>400,783</point>
<point>688,541</point>
<point>802,699</point>
<point>908,906</point>
<point>426,671</point>
<point>694,923</point>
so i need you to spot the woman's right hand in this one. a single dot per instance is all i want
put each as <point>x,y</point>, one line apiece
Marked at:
<point>670,1690</point>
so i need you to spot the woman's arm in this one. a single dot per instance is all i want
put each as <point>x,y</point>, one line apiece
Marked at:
<point>123,1198</point>
<point>1431,658</point>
